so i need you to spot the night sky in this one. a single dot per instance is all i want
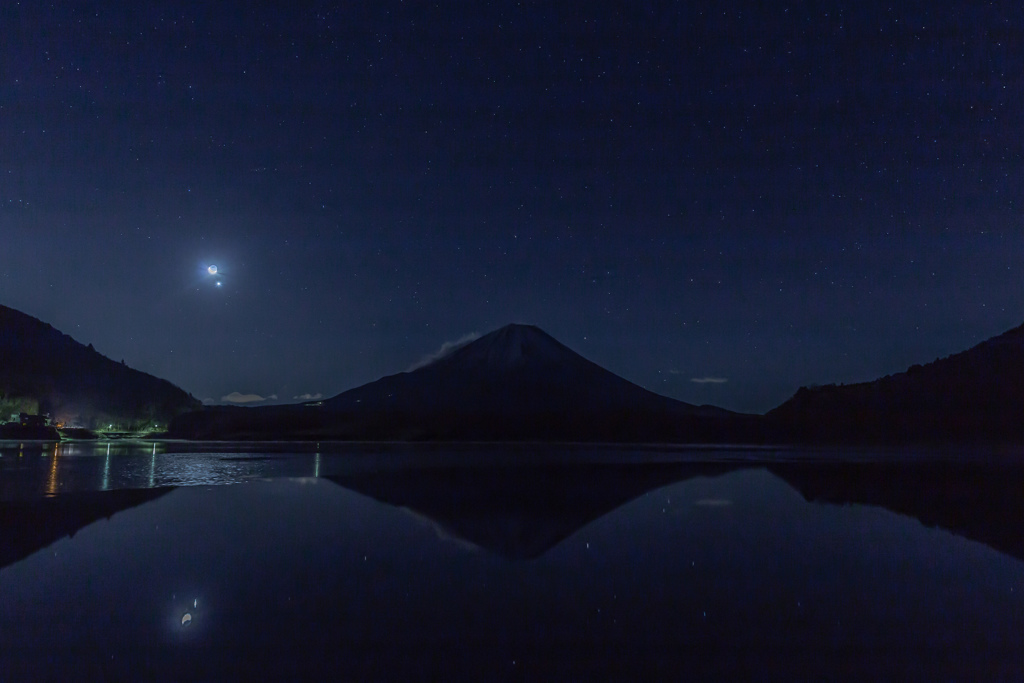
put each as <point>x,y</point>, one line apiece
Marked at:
<point>719,201</point>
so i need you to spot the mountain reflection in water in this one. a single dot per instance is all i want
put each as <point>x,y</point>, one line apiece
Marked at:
<point>588,567</point>
<point>517,511</point>
<point>520,512</point>
<point>981,502</point>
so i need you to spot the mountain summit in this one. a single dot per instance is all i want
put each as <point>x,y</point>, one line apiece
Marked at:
<point>508,348</point>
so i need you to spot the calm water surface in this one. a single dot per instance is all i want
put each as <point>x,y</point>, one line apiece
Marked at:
<point>133,562</point>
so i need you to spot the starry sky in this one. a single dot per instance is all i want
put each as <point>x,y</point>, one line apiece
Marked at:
<point>719,201</point>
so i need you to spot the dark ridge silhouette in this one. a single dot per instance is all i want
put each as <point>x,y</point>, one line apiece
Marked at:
<point>973,396</point>
<point>14,432</point>
<point>520,512</point>
<point>516,383</point>
<point>49,372</point>
<point>980,502</point>
<point>27,527</point>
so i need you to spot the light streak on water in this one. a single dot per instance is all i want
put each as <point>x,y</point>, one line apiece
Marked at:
<point>51,481</point>
<point>68,467</point>
<point>106,470</point>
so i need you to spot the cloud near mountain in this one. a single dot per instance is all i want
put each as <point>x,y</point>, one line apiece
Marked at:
<point>236,397</point>
<point>445,349</point>
<point>709,380</point>
<point>308,397</point>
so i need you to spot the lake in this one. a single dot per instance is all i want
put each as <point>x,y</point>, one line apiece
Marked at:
<point>176,561</point>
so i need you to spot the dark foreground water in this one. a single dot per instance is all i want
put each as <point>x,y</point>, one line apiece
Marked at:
<point>513,563</point>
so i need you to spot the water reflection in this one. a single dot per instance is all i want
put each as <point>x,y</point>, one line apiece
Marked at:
<point>595,572</point>
<point>51,482</point>
<point>982,502</point>
<point>519,512</point>
<point>523,512</point>
<point>106,470</point>
<point>30,470</point>
<point>29,526</point>
<point>533,498</point>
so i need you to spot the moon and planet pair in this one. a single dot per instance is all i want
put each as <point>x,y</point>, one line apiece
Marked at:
<point>213,270</point>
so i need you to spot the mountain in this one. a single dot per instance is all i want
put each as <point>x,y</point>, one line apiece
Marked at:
<point>43,370</point>
<point>516,370</point>
<point>976,395</point>
<point>516,383</point>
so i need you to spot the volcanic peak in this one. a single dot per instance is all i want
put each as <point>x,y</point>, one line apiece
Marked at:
<point>508,348</point>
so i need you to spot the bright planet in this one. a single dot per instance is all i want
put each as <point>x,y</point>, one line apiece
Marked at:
<point>212,270</point>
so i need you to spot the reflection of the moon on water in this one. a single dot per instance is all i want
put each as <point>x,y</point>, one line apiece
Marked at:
<point>189,614</point>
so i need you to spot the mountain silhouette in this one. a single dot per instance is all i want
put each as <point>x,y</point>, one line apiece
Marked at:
<point>516,383</point>
<point>45,371</point>
<point>515,370</point>
<point>975,395</point>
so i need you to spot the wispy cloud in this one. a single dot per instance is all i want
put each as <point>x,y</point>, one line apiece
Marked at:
<point>714,502</point>
<point>709,380</point>
<point>235,397</point>
<point>308,397</point>
<point>445,349</point>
